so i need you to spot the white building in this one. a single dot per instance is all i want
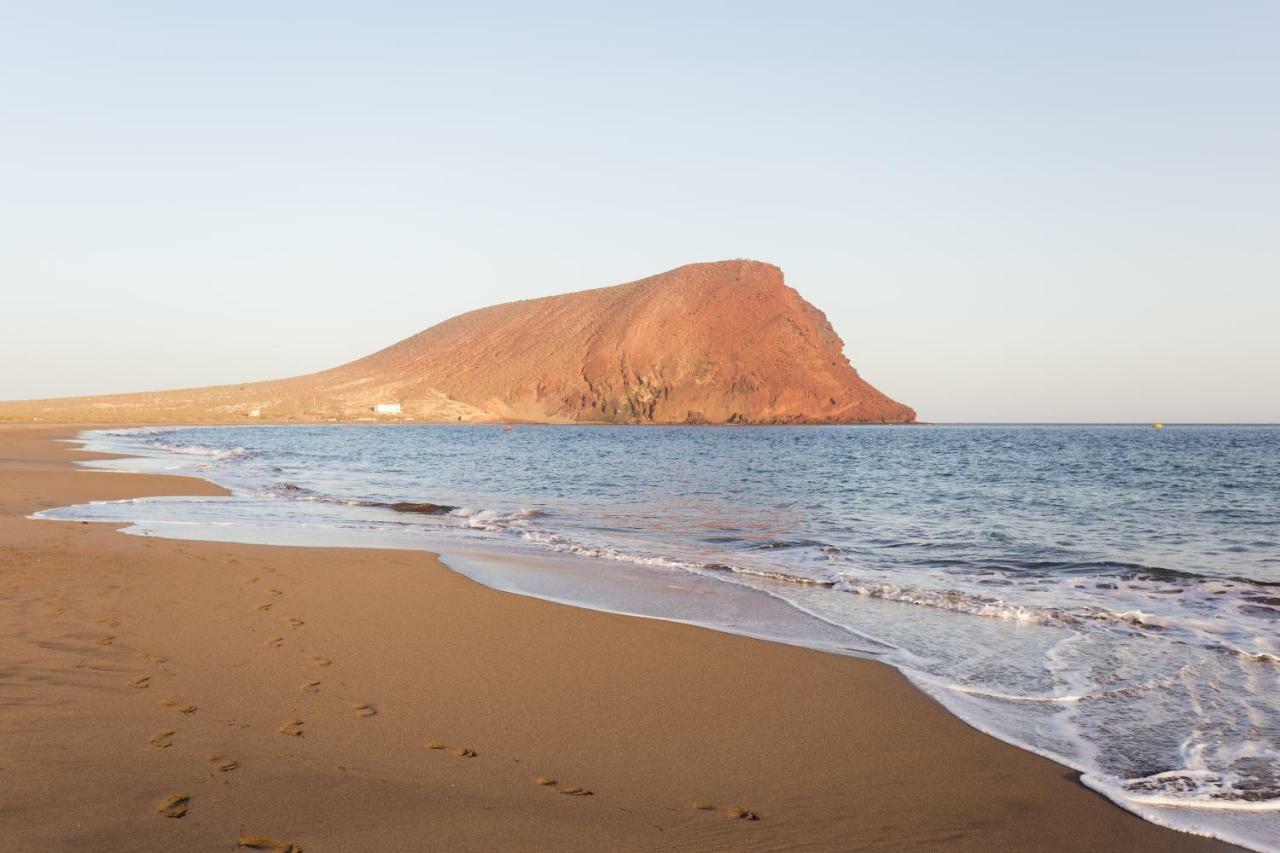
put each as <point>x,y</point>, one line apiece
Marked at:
<point>387,409</point>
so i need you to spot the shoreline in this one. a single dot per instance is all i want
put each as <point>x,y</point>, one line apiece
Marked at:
<point>832,752</point>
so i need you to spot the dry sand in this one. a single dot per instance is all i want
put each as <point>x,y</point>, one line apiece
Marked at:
<point>166,695</point>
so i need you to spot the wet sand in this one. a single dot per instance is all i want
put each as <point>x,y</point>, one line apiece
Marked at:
<point>168,695</point>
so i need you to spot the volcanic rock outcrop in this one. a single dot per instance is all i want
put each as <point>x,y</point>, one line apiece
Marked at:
<point>725,342</point>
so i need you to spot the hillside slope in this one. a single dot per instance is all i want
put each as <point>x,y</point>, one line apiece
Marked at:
<point>725,342</point>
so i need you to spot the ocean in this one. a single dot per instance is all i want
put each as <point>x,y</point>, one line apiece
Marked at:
<point>1107,596</point>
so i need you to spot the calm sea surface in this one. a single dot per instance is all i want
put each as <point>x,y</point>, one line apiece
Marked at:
<point>1106,596</point>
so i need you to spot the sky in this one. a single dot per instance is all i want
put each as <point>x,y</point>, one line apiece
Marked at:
<point>1009,211</point>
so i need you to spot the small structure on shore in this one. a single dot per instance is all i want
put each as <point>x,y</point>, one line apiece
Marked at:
<point>255,413</point>
<point>386,409</point>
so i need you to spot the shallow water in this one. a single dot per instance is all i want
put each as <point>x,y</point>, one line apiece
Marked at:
<point>1107,596</point>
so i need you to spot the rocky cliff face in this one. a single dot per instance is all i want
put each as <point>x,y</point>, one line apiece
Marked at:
<point>725,342</point>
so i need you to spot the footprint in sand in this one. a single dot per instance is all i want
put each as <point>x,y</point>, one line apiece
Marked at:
<point>153,658</point>
<point>461,751</point>
<point>141,682</point>
<point>163,738</point>
<point>571,790</point>
<point>364,709</point>
<point>735,812</point>
<point>275,642</point>
<point>179,706</point>
<point>174,805</point>
<point>54,611</point>
<point>271,845</point>
<point>222,763</point>
<point>310,686</point>
<point>274,591</point>
<point>320,660</point>
<point>293,728</point>
<point>105,640</point>
<point>110,622</point>
<point>266,605</point>
<point>294,623</point>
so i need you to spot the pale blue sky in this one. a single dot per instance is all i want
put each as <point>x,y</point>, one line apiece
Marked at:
<point>1010,211</point>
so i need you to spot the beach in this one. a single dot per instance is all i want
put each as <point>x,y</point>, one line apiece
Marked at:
<point>292,694</point>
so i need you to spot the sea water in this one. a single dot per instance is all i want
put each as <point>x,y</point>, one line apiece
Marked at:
<point>1106,596</point>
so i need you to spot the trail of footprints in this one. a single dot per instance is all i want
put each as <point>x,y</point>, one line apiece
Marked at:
<point>177,805</point>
